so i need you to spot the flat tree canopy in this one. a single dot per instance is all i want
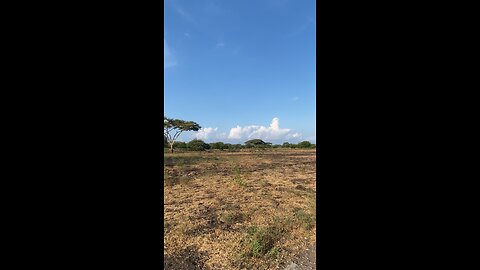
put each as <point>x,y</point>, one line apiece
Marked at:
<point>256,143</point>
<point>172,128</point>
<point>304,144</point>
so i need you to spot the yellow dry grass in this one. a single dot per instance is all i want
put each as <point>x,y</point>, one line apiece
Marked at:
<point>238,210</point>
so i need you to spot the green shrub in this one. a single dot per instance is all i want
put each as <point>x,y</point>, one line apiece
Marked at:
<point>261,241</point>
<point>304,144</point>
<point>307,220</point>
<point>180,145</point>
<point>197,145</point>
<point>218,145</point>
<point>238,178</point>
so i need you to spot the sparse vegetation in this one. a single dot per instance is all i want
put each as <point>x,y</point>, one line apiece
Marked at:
<point>240,210</point>
<point>261,241</point>
<point>238,178</point>
<point>307,220</point>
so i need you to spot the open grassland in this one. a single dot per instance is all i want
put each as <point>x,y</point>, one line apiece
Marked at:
<point>238,210</point>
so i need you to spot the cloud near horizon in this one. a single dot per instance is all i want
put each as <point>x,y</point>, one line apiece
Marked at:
<point>205,133</point>
<point>237,134</point>
<point>273,132</point>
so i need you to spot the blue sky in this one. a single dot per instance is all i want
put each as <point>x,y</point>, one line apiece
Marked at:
<point>241,69</point>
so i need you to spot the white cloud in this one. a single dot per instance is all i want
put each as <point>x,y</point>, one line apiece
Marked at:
<point>168,58</point>
<point>209,134</point>
<point>294,135</point>
<point>222,135</point>
<point>312,139</point>
<point>273,132</point>
<point>205,133</point>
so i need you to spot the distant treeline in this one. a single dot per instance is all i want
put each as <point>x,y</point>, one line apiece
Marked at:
<point>199,145</point>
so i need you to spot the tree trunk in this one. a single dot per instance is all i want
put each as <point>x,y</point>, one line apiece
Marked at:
<point>171,151</point>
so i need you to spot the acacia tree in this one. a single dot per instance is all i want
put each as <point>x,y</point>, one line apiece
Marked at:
<point>256,143</point>
<point>172,128</point>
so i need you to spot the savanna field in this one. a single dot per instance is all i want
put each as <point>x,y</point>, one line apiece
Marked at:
<point>251,209</point>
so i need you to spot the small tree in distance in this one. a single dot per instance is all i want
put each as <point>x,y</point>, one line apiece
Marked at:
<point>304,144</point>
<point>172,128</point>
<point>198,145</point>
<point>256,143</point>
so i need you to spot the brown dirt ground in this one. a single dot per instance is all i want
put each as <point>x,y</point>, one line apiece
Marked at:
<point>213,202</point>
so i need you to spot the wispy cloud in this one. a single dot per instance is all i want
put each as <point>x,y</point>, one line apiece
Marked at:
<point>184,14</point>
<point>295,98</point>
<point>168,58</point>
<point>220,44</point>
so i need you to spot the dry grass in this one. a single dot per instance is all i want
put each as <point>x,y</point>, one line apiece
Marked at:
<point>238,210</point>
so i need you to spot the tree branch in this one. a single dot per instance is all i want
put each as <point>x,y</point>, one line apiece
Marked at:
<point>177,134</point>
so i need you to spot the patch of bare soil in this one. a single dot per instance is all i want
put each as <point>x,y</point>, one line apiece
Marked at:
<point>304,261</point>
<point>241,210</point>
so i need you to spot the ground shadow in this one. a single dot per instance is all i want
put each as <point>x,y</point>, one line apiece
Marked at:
<point>189,258</point>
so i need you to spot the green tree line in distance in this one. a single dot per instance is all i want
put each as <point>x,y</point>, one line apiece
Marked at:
<point>200,145</point>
